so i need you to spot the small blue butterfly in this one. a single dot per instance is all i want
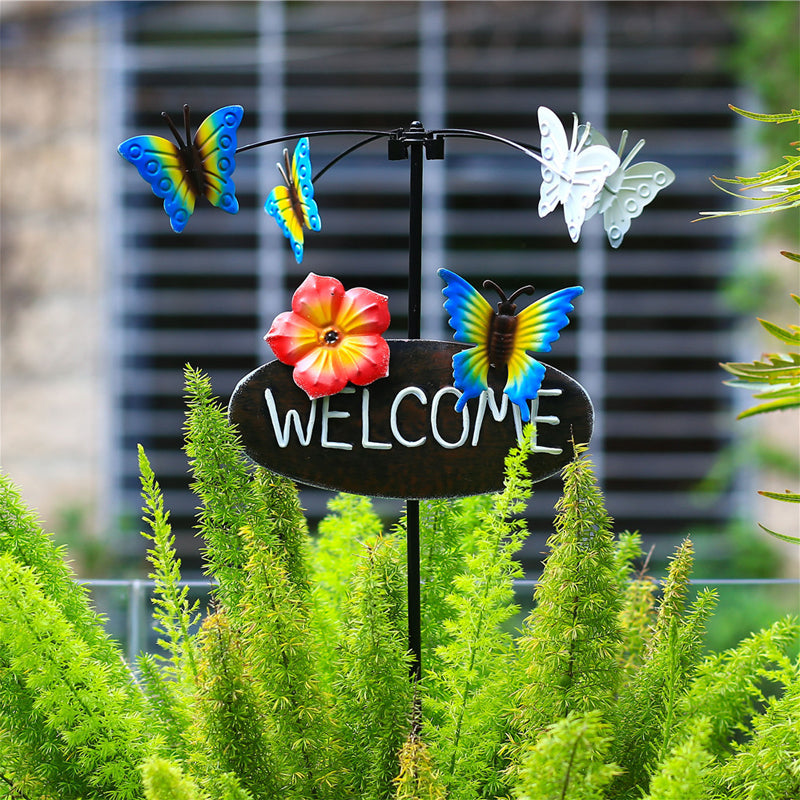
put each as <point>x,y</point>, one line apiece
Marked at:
<point>293,205</point>
<point>502,337</point>
<point>179,172</point>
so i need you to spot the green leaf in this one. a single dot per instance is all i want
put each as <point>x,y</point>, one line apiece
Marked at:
<point>790,335</point>
<point>775,405</point>
<point>782,536</point>
<point>793,116</point>
<point>778,371</point>
<point>786,497</point>
<point>776,392</point>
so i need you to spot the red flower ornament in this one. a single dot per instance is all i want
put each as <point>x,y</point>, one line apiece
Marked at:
<point>332,336</point>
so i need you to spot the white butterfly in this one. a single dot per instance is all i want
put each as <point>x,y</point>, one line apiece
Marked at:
<point>628,190</point>
<point>572,174</point>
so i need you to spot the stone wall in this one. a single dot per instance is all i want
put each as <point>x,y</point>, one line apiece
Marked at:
<point>51,311</point>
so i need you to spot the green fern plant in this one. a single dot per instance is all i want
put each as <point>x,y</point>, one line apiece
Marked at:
<point>775,378</point>
<point>295,684</point>
<point>468,698</point>
<point>571,642</point>
<point>569,760</point>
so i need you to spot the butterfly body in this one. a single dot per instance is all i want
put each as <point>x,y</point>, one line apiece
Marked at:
<point>182,171</point>
<point>502,338</point>
<point>572,172</point>
<point>293,205</point>
<point>294,197</point>
<point>503,326</point>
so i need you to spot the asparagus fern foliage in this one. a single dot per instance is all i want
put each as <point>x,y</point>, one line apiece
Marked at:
<point>295,682</point>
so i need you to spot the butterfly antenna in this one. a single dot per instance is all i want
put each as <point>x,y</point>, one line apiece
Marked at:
<point>586,133</point>
<point>285,172</point>
<point>175,131</point>
<point>487,284</point>
<point>186,124</point>
<point>522,290</point>
<point>634,150</point>
<point>622,141</point>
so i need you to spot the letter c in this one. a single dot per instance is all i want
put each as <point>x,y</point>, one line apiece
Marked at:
<point>420,395</point>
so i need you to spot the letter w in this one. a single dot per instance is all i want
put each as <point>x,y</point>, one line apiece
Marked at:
<point>282,433</point>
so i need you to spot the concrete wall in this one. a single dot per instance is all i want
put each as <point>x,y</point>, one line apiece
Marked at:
<point>51,282</point>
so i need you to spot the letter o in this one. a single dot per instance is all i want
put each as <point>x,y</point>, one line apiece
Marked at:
<point>435,413</point>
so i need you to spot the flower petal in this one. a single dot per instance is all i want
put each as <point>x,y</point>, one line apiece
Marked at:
<point>320,373</point>
<point>364,359</point>
<point>292,337</point>
<point>363,312</point>
<point>318,299</point>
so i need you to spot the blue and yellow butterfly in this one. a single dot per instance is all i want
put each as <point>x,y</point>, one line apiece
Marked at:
<point>293,205</point>
<point>200,167</point>
<point>502,337</point>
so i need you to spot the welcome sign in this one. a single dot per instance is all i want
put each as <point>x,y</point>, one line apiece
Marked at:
<point>401,436</point>
<point>345,409</point>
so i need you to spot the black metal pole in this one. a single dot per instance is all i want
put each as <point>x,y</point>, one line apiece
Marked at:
<point>416,146</point>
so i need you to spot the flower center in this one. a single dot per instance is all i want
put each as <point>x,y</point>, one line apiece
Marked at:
<point>331,336</point>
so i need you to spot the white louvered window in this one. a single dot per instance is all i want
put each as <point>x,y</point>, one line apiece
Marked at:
<point>646,337</point>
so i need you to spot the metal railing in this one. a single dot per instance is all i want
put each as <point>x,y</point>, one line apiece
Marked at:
<point>132,619</point>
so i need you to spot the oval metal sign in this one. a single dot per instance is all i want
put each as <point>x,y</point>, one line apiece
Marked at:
<point>401,436</point>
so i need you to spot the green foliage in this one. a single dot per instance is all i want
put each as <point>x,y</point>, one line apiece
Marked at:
<point>571,642</point>
<point>174,617</point>
<point>646,709</point>
<point>296,685</point>
<point>776,378</point>
<point>766,50</point>
<point>350,526</point>
<point>779,186</point>
<point>767,767</point>
<point>272,626</point>
<point>164,780</point>
<point>232,732</point>
<point>730,688</point>
<point>684,772</point>
<point>96,730</point>
<point>468,698</point>
<point>449,532</point>
<point>373,694</point>
<point>417,778</point>
<point>569,762</point>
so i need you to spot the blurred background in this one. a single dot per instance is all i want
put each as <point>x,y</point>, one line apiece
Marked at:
<point>102,304</point>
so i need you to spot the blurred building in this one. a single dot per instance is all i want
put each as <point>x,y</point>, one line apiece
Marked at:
<point>103,304</point>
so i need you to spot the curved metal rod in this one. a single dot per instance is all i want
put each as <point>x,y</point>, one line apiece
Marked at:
<point>523,147</point>
<point>373,135</point>
<point>347,152</point>
<point>528,149</point>
<point>288,137</point>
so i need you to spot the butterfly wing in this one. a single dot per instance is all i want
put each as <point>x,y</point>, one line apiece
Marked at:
<point>215,142</point>
<point>573,178</point>
<point>470,317</point>
<point>538,326</point>
<point>292,217</point>
<point>159,163</point>
<point>638,187</point>
<point>592,166</point>
<point>301,175</point>
<point>555,151</point>
<point>279,206</point>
